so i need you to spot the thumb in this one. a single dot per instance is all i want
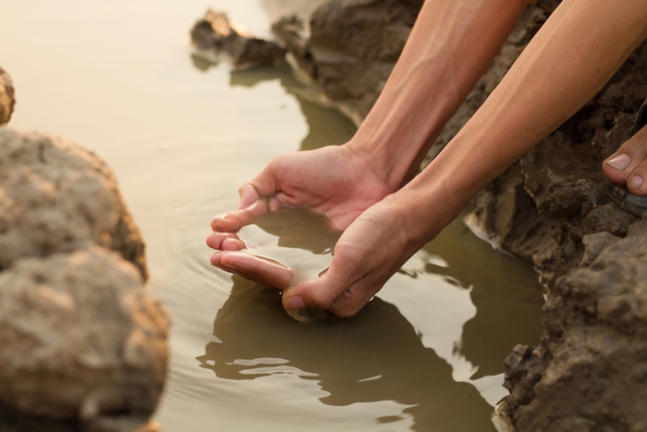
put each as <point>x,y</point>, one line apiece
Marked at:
<point>248,196</point>
<point>335,291</point>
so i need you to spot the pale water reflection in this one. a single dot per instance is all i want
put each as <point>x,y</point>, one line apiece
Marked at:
<point>119,77</point>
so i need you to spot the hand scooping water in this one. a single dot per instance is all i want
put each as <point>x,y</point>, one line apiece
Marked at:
<point>299,239</point>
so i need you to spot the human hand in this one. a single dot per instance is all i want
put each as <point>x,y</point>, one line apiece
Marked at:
<point>367,254</point>
<point>334,181</point>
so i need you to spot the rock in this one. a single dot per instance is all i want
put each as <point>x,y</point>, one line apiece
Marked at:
<point>594,244</point>
<point>590,372</point>
<point>81,337</point>
<point>216,34</point>
<point>84,345</point>
<point>547,5</point>
<point>57,197</point>
<point>555,213</point>
<point>7,97</point>
<point>566,196</point>
<point>303,9</point>
<point>351,48</point>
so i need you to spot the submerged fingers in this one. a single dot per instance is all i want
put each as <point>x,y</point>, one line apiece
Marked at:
<point>261,270</point>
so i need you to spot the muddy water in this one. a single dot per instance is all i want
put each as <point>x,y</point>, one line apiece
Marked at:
<point>118,77</point>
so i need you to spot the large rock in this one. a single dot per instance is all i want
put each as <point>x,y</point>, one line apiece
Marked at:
<point>351,48</point>
<point>542,207</point>
<point>58,197</point>
<point>590,371</point>
<point>83,344</point>
<point>80,337</point>
<point>215,35</point>
<point>7,97</point>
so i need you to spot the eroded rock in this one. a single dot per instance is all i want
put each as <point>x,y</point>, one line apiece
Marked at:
<point>216,34</point>
<point>84,345</point>
<point>58,197</point>
<point>590,372</point>
<point>351,48</point>
<point>7,97</point>
<point>80,337</point>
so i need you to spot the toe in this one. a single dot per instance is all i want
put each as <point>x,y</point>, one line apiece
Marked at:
<point>636,180</point>
<point>625,166</point>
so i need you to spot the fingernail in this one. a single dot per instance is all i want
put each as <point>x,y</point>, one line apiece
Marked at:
<point>635,182</point>
<point>303,315</point>
<point>620,162</point>
<point>294,303</point>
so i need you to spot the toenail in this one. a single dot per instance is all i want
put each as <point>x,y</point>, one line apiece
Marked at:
<point>635,182</point>
<point>620,162</point>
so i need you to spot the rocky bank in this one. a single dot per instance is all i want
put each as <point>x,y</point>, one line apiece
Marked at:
<point>84,346</point>
<point>588,373</point>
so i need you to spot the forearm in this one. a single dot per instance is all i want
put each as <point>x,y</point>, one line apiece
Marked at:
<point>451,45</point>
<point>574,54</point>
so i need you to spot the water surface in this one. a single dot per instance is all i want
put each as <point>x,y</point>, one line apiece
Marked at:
<point>119,78</point>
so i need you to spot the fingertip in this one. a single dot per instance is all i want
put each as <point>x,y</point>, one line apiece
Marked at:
<point>216,259</point>
<point>223,222</point>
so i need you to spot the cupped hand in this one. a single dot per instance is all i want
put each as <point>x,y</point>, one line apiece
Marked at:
<point>335,181</point>
<point>368,253</point>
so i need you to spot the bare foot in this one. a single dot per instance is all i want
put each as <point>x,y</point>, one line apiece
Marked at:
<point>628,165</point>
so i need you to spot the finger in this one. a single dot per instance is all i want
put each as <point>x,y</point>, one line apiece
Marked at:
<point>224,241</point>
<point>258,269</point>
<point>248,196</point>
<point>341,290</point>
<point>234,221</point>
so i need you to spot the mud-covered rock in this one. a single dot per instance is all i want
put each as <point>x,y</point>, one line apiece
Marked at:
<point>58,197</point>
<point>590,372</point>
<point>80,337</point>
<point>7,97</point>
<point>351,48</point>
<point>566,196</point>
<point>216,34</point>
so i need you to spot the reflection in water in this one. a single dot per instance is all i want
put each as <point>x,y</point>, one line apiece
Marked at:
<point>381,354</point>
<point>374,356</point>
<point>326,126</point>
<point>298,238</point>
<point>293,225</point>
<point>506,294</point>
